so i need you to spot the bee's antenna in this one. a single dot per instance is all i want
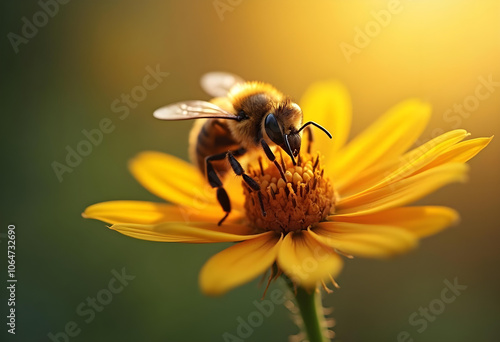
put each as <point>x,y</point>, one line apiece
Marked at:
<point>289,149</point>
<point>314,124</point>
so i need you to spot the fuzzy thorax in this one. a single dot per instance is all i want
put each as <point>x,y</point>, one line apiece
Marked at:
<point>299,198</point>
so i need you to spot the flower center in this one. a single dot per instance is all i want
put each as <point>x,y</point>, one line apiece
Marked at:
<point>294,200</point>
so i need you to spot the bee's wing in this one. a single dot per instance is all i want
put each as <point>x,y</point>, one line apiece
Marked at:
<point>192,110</point>
<point>218,83</point>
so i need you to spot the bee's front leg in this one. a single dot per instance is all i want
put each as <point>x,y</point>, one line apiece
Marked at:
<point>270,155</point>
<point>310,138</point>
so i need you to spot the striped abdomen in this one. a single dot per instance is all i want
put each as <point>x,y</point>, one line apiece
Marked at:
<point>209,137</point>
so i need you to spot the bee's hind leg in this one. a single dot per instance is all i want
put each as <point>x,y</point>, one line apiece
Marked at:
<point>215,182</point>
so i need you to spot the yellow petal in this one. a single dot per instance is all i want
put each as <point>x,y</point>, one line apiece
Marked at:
<point>143,212</point>
<point>460,153</point>
<point>421,221</point>
<point>402,192</point>
<point>234,187</point>
<point>388,138</point>
<point>193,232</point>
<point>306,261</point>
<point>328,104</point>
<point>403,166</point>
<point>239,264</point>
<point>373,241</point>
<point>417,159</point>
<point>173,180</point>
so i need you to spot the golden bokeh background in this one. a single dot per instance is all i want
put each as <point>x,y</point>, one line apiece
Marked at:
<point>66,77</point>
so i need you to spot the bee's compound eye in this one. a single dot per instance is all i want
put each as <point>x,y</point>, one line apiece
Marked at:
<point>273,129</point>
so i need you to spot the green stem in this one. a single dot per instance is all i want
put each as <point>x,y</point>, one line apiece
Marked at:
<point>309,303</point>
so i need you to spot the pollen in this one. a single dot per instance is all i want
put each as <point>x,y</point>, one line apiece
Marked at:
<point>290,199</point>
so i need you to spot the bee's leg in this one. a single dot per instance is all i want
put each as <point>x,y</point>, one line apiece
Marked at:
<point>310,138</point>
<point>272,157</point>
<point>215,182</point>
<point>239,171</point>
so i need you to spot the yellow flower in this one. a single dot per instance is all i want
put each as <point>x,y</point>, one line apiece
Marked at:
<point>346,200</point>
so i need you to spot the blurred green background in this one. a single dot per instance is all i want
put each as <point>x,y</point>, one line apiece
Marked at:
<point>65,78</point>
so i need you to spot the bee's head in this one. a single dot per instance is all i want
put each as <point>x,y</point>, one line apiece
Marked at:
<point>283,128</point>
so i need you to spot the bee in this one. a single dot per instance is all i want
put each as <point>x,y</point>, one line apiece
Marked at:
<point>242,117</point>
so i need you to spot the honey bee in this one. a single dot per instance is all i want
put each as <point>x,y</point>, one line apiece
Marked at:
<point>241,118</point>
